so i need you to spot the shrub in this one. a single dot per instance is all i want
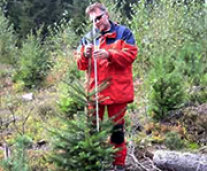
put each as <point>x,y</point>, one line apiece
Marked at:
<point>173,141</point>
<point>195,119</point>
<point>61,38</point>
<point>192,63</point>
<point>192,55</point>
<point>34,62</point>
<point>61,42</point>
<point>166,89</point>
<point>68,103</point>
<point>7,41</point>
<point>198,94</point>
<point>167,26</point>
<point>19,159</point>
<point>158,32</point>
<point>171,36</point>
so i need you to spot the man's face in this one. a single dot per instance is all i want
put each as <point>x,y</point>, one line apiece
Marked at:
<point>101,20</point>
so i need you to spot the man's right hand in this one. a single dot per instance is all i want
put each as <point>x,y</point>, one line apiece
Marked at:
<point>88,50</point>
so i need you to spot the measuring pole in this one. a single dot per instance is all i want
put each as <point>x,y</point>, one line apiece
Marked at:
<point>96,47</point>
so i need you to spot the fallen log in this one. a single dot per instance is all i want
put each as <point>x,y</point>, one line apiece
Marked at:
<point>177,161</point>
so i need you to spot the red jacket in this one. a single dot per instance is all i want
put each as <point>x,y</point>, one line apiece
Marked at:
<point>120,44</point>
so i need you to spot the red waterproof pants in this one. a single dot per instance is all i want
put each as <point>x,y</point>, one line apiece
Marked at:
<point>116,112</point>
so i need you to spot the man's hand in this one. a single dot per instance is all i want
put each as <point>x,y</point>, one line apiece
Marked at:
<point>88,50</point>
<point>101,54</point>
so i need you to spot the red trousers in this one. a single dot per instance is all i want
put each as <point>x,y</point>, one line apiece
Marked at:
<point>116,112</point>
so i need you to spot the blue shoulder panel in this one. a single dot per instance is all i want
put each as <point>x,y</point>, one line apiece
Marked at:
<point>123,33</point>
<point>128,37</point>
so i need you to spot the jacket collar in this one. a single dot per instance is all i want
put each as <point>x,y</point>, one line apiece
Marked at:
<point>110,33</point>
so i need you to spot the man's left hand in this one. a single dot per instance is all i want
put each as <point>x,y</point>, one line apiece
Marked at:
<point>101,54</point>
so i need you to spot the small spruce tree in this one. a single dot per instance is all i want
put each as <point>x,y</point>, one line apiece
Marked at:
<point>19,159</point>
<point>7,41</point>
<point>34,62</point>
<point>166,88</point>
<point>77,145</point>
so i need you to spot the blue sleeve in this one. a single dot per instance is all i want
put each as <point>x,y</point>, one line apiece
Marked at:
<point>128,37</point>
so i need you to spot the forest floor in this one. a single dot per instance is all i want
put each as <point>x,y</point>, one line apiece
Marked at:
<point>143,136</point>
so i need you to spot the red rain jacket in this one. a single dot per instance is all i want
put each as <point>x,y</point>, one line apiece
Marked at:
<point>120,44</point>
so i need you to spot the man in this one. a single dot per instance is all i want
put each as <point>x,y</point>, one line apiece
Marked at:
<point>116,53</point>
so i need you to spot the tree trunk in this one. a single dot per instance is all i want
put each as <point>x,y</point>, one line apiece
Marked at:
<point>177,161</point>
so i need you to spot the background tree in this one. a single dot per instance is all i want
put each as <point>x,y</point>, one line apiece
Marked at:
<point>29,15</point>
<point>7,41</point>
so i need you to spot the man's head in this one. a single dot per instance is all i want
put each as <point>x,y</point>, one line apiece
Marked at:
<point>98,13</point>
